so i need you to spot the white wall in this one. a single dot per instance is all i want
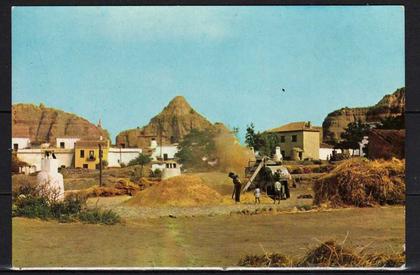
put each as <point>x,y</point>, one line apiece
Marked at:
<point>118,155</point>
<point>22,142</point>
<point>68,142</point>
<point>34,157</point>
<point>326,152</point>
<point>171,150</point>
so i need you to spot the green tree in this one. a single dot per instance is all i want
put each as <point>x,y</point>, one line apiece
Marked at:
<point>250,136</point>
<point>353,134</point>
<point>141,160</point>
<point>196,145</point>
<point>267,143</point>
<point>394,123</point>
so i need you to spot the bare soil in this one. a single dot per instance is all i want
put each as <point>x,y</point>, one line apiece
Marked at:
<point>201,241</point>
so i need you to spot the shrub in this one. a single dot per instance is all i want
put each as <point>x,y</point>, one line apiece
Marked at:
<point>104,163</point>
<point>157,173</point>
<point>122,165</point>
<point>32,207</point>
<point>97,216</point>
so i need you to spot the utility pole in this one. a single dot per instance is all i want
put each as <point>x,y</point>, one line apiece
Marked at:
<point>100,164</point>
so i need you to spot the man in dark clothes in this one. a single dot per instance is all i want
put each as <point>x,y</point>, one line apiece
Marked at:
<point>237,187</point>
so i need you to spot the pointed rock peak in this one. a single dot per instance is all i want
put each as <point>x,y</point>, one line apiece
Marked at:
<point>179,101</point>
<point>178,105</point>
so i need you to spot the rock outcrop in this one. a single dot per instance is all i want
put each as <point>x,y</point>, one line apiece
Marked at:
<point>42,124</point>
<point>174,122</point>
<point>386,144</point>
<point>336,122</point>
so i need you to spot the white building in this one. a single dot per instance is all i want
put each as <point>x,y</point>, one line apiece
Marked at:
<point>165,152</point>
<point>34,157</point>
<point>169,168</point>
<point>20,143</point>
<point>116,156</point>
<point>66,142</point>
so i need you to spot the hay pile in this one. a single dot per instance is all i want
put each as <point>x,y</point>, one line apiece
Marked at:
<point>184,190</point>
<point>327,254</point>
<point>267,260</point>
<point>121,187</point>
<point>331,254</point>
<point>360,182</point>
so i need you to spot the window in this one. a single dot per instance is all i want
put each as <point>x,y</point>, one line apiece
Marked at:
<point>165,156</point>
<point>300,155</point>
<point>82,154</point>
<point>85,165</point>
<point>294,138</point>
<point>283,153</point>
<point>62,145</point>
<point>91,154</point>
<point>15,146</point>
<point>122,145</point>
<point>174,165</point>
<point>282,139</point>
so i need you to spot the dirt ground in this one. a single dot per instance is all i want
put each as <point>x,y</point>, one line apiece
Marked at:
<point>201,241</point>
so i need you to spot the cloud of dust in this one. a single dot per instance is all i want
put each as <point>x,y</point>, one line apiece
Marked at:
<point>231,155</point>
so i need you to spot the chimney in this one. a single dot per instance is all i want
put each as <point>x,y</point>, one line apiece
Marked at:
<point>308,124</point>
<point>153,143</point>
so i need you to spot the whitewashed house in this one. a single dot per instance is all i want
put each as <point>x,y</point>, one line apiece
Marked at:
<point>20,143</point>
<point>66,142</point>
<point>116,156</point>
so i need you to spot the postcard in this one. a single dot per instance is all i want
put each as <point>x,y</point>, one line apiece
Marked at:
<point>208,137</point>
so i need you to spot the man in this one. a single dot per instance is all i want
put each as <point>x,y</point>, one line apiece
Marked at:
<point>277,192</point>
<point>284,177</point>
<point>236,187</point>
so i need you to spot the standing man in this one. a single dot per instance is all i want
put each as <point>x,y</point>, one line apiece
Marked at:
<point>236,187</point>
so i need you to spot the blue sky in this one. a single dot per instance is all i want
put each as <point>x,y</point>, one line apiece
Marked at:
<point>124,64</point>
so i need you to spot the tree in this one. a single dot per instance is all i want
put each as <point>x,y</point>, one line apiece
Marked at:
<point>250,136</point>
<point>395,123</point>
<point>353,134</point>
<point>265,142</point>
<point>196,145</point>
<point>141,160</point>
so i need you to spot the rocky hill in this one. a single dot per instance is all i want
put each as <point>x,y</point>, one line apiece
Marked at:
<point>174,122</point>
<point>335,122</point>
<point>42,124</point>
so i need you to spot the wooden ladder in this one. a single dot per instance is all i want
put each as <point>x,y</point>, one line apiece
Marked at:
<point>254,175</point>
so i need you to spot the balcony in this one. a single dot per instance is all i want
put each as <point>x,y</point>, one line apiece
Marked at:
<point>90,159</point>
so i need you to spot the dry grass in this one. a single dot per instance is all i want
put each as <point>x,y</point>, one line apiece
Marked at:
<point>327,254</point>
<point>360,182</point>
<point>184,190</point>
<point>121,187</point>
<point>266,260</point>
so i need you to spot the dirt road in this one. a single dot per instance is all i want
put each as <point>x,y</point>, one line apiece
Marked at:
<point>201,241</point>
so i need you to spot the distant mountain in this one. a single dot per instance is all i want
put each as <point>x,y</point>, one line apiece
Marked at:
<point>42,124</point>
<point>175,121</point>
<point>389,106</point>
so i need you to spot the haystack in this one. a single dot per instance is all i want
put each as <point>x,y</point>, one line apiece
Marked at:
<point>121,187</point>
<point>267,260</point>
<point>331,254</point>
<point>360,182</point>
<point>184,190</point>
